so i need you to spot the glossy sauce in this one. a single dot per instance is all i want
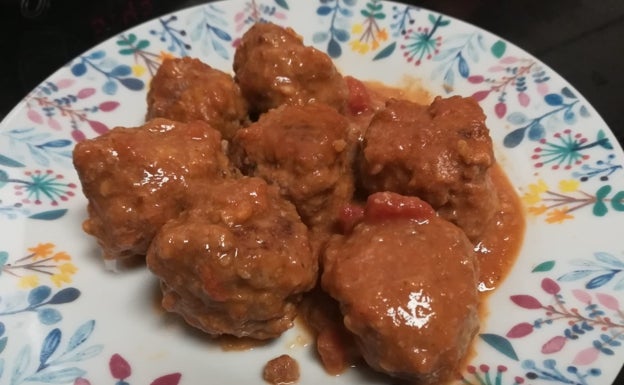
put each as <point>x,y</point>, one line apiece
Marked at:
<point>498,249</point>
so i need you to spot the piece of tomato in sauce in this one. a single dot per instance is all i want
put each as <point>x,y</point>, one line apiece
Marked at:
<point>359,100</point>
<point>382,206</point>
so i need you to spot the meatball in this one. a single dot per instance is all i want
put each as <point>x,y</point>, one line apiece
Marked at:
<point>441,153</point>
<point>281,370</point>
<point>305,151</point>
<point>407,287</point>
<point>237,263</point>
<point>273,67</point>
<point>187,89</point>
<point>135,179</point>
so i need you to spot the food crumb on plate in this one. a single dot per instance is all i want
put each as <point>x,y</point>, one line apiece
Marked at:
<point>281,370</point>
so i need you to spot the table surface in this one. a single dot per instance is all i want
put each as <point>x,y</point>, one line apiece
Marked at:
<point>579,39</point>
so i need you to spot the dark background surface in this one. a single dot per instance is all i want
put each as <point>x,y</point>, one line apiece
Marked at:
<point>582,40</point>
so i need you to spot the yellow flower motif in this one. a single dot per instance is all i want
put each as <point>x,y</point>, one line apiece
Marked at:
<point>539,187</point>
<point>357,28</point>
<point>569,185</point>
<point>537,210</point>
<point>28,282</point>
<point>533,196</point>
<point>382,34</point>
<point>42,250</point>
<point>558,215</point>
<point>359,46</point>
<point>138,70</point>
<point>164,55</point>
<point>59,279</point>
<point>68,268</point>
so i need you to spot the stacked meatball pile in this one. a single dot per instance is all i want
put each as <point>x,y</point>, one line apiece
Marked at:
<point>246,192</point>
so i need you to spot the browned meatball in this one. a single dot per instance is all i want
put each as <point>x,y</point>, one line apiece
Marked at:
<point>136,179</point>
<point>186,89</point>
<point>441,153</point>
<point>273,67</point>
<point>237,263</point>
<point>407,287</point>
<point>305,151</point>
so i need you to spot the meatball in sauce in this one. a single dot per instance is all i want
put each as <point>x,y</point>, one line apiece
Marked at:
<point>237,263</point>
<point>306,151</point>
<point>273,67</point>
<point>441,153</point>
<point>289,189</point>
<point>186,89</point>
<point>406,282</point>
<point>136,179</point>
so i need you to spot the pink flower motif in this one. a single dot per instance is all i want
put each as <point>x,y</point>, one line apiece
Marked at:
<point>554,345</point>
<point>586,356</point>
<point>520,330</point>
<point>119,367</point>
<point>524,99</point>
<point>54,124</point>
<point>582,296</point>
<point>608,301</point>
<point>526,301</point>
<point>509,60</point>
<point>542,88</point>
<point>501,109</point>
<point>550,286</point>
<point>85,92</point>
<point>34,116</point>
<point>64,83</point>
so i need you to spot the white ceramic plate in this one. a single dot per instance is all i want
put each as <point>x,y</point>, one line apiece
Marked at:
<point>557,319</point>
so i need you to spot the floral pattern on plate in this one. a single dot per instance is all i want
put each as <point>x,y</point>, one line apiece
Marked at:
<point>564,291</point>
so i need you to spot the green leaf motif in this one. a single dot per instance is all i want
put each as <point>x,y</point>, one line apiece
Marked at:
<point>618,201</point>
<point>4,178</point>
<point>600,208</point>
<point>3,342</point>
<point>8,162</point>
<point>543,267</point>
<point>4,258</point>
<point>282,3</point>
<point>49,215</point>
<point>127,51</point>
<point>498,49</point>
<point>501,344</point>
<point>385,52</point>
<point>143,44</point>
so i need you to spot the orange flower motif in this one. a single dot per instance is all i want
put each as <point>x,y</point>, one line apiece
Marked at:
<point>42,261</point>
<point>42,250</point>
<point>382,34</point>
<point>558,215</point>
<point>61,256</point>
<point>164,55</point>
<point>537,210</point>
